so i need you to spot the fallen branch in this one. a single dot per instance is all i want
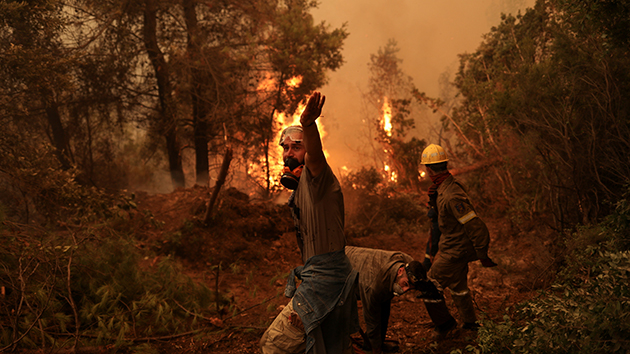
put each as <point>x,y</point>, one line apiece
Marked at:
<point>251,307</point>
<point>217,187</point>
<point>213,321</point>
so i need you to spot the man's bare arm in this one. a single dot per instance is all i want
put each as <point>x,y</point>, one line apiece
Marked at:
<point>315,160</point>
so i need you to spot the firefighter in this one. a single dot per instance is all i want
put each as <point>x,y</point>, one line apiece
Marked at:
<point>464,238</point>
<point>433,242</point>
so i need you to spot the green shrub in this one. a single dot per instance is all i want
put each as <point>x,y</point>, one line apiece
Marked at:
<point>97,287</point>
<point>587,310</point>
<point>591,318</point>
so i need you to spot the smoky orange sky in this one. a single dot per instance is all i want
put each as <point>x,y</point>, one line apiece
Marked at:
<point>430,35</point>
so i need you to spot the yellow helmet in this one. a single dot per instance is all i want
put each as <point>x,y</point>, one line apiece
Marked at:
<point>433,154</point>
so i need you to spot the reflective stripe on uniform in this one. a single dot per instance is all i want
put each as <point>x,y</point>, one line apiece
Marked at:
<point>461,293</point>
<point>466,218</point>
<point>431,301</point>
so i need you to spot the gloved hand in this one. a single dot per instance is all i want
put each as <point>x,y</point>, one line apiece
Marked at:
<point>487,262</point>
<point>428,291</point>
<point>430,295</point>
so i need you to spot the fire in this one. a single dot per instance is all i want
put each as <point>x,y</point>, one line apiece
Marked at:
<point>294,81</point>
<point>269,83</point>
<point>387,117</point>
<point>265,85</point>
<point>392,174</point>
<point>387,127</point>
<point>280,122</point>
<point>285,122</point>
<point>393,177</point>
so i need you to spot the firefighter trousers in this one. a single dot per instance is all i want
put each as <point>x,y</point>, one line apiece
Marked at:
<point>451,275</point>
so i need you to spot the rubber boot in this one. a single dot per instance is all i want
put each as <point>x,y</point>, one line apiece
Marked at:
<point>438,311</point>
<point>465,306</point>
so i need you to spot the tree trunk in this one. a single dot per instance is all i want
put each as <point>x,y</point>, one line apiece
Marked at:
<point>59,135</point>
<point>201,152</point>
<point>167,125</point>
<point>199,104</point>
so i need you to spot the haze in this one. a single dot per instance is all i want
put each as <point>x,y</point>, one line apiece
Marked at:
<point>430,35</point>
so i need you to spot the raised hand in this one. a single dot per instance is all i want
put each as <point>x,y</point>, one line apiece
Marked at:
<point>313,109</point>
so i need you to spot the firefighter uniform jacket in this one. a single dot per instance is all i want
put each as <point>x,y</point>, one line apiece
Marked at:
<point>465,236</point>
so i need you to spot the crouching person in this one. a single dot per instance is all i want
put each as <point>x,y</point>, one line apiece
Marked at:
<point>382,276</point>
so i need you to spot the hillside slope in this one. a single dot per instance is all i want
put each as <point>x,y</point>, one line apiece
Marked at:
<point>249,248</point>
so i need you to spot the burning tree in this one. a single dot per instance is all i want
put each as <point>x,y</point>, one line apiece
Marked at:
<point>389,92</point>
<point>270,161</point>
<point>297,53</point>
<point>177,76</point>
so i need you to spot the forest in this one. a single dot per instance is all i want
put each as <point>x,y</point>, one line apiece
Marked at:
<point>99,99</point>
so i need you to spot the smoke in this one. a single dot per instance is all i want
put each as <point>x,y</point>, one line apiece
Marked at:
<point>430,35</point>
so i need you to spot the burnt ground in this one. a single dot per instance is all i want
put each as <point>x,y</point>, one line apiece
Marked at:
<point>249,248</point>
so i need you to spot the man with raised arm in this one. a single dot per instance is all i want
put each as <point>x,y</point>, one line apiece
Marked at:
<point>322,313</point>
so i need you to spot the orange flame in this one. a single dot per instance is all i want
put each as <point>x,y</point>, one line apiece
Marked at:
<point>391,174</point>
<point>269,83</point>
<point>387,127</point>
<point>281,121</point>
<point>285,122</point>
<point>294,81</point>
<point>387,117</point>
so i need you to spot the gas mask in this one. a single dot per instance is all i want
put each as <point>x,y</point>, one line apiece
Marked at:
<point>291,173</point>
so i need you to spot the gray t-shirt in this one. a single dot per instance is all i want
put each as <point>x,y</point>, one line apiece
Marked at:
<point>318,212</point>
